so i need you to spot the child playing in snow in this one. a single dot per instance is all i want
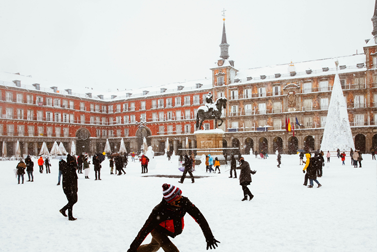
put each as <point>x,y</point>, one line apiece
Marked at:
<point>217,165</point>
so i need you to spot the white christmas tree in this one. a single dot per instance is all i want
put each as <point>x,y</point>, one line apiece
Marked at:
<point>337,133</point>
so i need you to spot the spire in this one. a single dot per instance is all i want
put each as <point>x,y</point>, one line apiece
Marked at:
<point>224,45</point>
<point>374,20</point>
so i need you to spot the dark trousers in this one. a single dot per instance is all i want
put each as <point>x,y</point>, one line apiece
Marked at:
<point>97,174</point>
<point>20,176</point>
<point>279,163</point>
<point>144,168</point>
<point>184,175</point>
<point>360,163</point>
<point>319,172</point>
<point>72,199</point>
<point>246,190</point>
<point>217,168</point>
<point>306,178</point>
<point>235,172</point>
<point>41,168</point>
<point>48,169</point>
<point>159,240</point>
<point>30,175</point>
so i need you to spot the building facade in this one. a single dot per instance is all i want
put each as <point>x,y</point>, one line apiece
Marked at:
<point>262,102</point>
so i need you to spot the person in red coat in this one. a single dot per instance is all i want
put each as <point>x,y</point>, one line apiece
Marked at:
<point>40,163</point>
<point>144,164</point>
<point>166,220</point>
<point>343,156</point>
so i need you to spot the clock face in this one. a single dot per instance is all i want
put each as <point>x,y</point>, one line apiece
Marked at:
<point>220,62</point>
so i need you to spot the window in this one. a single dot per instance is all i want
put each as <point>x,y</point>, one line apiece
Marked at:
<point>187,114</point>
<point>277,108</point>
<point>220,80</point>
<point>276,90</point>
<point>20,130</point>
<point>143,117</point>
<point>71,105</point>
<point>170,129</point>
<point>111,133</point>
<point>91,120</point>
<point>308,105</point>
<point>126,132</point>
<point>111,121</point>
<point>9,113</point>
<point>359,120</point>
<point>57,102</point>
<point>65,104</point>
<point>91,107</point>
<point>262,123</point>
<point>103,109</point>
<point>10,129</point>
<point>40,130</point>
<point>82,106</point>
<point>177,101</point>
<point>49,117</point>
<point>207,126</point>
<point>178,115</point>
<point>247,93</point>
<point>30,130</point>
<point>307,87</point>
<point>65,118</point>
<point>39,101</point>
<point>234,125</point>
<point>308,122</point>
<point>132,108</point>
<point>133,119</point>
<point>98,120</point>
<point>178,128</point>
<point>234,94</point>
<point>196,100</point>
<point>111,107</point>
<point>126,119</point>
<point>118,120</point>
<point>30,115</point>
<point>104,133</point>
<point>40,115</point>
<point>187,101</point>
<point>49,101</point>
<point>118,108</point>
<point>161,130</point>
<point>204,98</point>
<point>154,104</point>
<point>187,128</point>
<point>324,103</point>
<point>20,114</point>
<point>359,101</point>
<point>161,116</point>
<point>57,131</point>
<point>324,86</point>
<point>82,119</point>
<point>169,115</point>
<point>262,108</point>
<point>97,108</point>
<point>19,98</point>
<point>169,102</point>
<point>142,105</point>
<point>234,110</point>
<point>9,96</point>
<point>119,133</point>
<point>72,118</point>
<point>125,107</point>
<point>359,82</point>
<point>223,113</point>
<point>66,132</point>
<point>98,132</point>
<point>262,92</point>
<point>104,121</point>
<point>154,117</point>
<point>161,103</point>
<point>248,109</point>
<point>343,83</point>
<point>58,117</point>
<point>323,121</point>
<point>29,99</point>
<point>277,124</point>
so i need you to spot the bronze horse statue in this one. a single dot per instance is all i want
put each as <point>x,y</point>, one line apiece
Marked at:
<point>204,113</point>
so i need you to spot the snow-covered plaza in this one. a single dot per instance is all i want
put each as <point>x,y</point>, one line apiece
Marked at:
<point>283,216</point>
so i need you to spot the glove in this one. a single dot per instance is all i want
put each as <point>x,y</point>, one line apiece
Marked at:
<point>303,171</point>
<point>212,243</point>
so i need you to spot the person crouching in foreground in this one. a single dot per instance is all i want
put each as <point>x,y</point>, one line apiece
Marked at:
<point>245,178</point>
<point>166,220</point>
<point>70,187</point>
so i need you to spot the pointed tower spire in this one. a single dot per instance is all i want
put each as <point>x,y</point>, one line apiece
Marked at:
<point>224,45</point>
<point>374,20</point>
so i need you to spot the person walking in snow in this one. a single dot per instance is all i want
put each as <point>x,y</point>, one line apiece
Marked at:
<point>29,168</point>
<point>279,159</point>
<point>343,158</point>
<point>207,163</point>
<point>360,158</point>
<point>133,156</point>
<point>301,158</point>
<point>111,163</point>
<point>40,163</point>
<point>166,219</point>
<point>245,178</point>
<point>86,167</point>
<point>328,155</point>
<point>144,163</point>
<point>233,165</point>
<point>338,153</point>
<point>210,163</point>
<point>47,164</point>
<point>21,166</point>
<point>351,155</point>
<point>188,167</point>
<point>355,157</point>
<point>119,165</point>
<point>312,171</point>
<point>97,167</point>
<point>70,187</point>
<point>372,151</point>
<point>307,163</point>
<point>319,163</point>
<point>217,165</point>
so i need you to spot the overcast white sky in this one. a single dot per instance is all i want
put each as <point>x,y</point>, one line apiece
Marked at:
<point>110,44</point>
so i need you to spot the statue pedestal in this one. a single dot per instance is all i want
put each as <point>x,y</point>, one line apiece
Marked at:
<point>209,142</point>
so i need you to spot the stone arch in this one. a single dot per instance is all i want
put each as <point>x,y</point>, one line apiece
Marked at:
<point>374,142</point>
<point>82,141</point>
<point>225,145</point>
<point>309,143</point>
<point>292,145</point>
<point>142,132</point>
<point>263,145</point>
<point>236,144</point>
<point>360,142</point>
<point>249,145</point>
<point>278,144</point>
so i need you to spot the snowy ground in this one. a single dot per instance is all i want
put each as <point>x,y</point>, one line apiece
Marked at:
<point>283,216</point>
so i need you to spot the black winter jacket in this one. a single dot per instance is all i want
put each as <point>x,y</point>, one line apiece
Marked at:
<point>69,177</point>
<point>168,219</point>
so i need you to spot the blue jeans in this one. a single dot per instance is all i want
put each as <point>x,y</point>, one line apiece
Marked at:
<point>20,176</point>
<point>59,176</point>
<point>311,182</point>
<point>210,168</point>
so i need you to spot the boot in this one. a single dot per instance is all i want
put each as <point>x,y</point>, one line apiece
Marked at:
<point>251,197</point>
<point>230,177</point>
<point>70,217</point>
<point>63,212</point>
<point>310,186</point>
<point>244,198</point>
<point>319,186</point>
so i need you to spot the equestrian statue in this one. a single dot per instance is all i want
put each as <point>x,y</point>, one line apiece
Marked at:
<point>210,111</point>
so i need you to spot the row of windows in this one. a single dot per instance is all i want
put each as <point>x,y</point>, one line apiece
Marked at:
<point>31,131</point>
<point>178,129</point>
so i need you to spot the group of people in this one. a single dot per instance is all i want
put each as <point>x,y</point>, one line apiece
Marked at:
<point>210,163</point>
<point>313,168</point>
<point>120,163</point>
<point>20,170</point>
<point>46,162</point>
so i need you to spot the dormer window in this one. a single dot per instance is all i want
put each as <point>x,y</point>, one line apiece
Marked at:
<point>220,80</point>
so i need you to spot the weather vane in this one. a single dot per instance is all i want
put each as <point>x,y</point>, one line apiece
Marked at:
<point>223,11</point>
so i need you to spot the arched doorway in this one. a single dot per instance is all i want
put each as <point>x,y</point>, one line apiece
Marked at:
<point>249,145</point>
<point>292,145</point>
<point>263,145</point>
<point>278,144</point>
<point>179,152</point>
<point>161,147</point>
<point>82,142</point>
<point>141,133</point>
<point>360,142</point>
<point>236,144</point>
<point>374,142</point>
<point>225,145</point>
<point>309,143</point>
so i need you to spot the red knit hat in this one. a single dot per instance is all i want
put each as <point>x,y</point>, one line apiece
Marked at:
<point>171,192</point>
